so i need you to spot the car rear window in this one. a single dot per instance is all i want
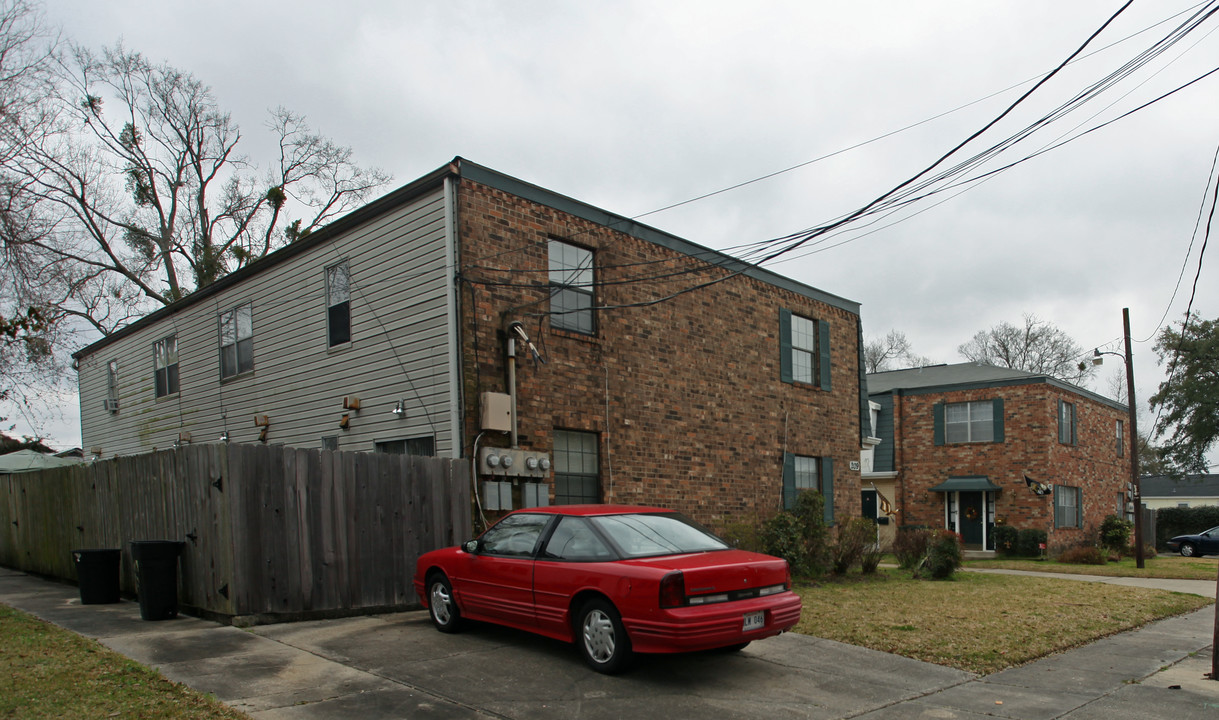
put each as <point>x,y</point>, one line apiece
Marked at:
<point>647,535</point>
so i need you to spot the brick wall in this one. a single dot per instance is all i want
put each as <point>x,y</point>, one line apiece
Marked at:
<point>1030,447</point>
<point>684,394</point>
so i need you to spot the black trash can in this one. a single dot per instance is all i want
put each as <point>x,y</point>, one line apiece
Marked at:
<point>97,571</point>
<point>156,576</point>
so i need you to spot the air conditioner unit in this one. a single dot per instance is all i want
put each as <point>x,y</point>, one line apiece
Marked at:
<point>111,404</point>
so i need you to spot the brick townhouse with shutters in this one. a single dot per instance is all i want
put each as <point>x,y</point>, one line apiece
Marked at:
<point>644,368</point>
<point>970,446</point>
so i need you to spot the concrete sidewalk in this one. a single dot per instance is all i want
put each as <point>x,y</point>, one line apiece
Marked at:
<point>393,666</point>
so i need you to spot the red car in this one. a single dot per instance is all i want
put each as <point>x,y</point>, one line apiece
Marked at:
<point>613,579</point>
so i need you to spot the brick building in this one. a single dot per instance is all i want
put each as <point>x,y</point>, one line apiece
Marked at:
<point>646,369</point>
<point>969,446</point>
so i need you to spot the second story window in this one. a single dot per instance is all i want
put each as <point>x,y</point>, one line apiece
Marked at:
<point>969,422</point>
<point>237,341</point>
<point>112,386</point>
<point>571,287</point>
<point>804,350</point>
<point>338,305</point>
<point>1066,423</point>
<point>974,421</point>
<point>165,366</point>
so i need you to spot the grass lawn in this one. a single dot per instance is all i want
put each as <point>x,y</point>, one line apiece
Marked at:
<point>978,622</point>
<point>1162,566</point>
<point>50,672</point>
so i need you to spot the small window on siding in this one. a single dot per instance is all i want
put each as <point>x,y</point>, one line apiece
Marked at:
<point>571,287</point>
<point>423,446</point>
<point>237,341</point>
<point>165,366</point>
<point>338,304</point>
<point>330,442</point>
<point>112,386</point>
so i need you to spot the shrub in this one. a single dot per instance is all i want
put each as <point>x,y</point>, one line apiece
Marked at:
<point>943,555</point>
<point>798,536</point>
<point>1083,555</point>
<point>910,545</point>
<point>1030,541</point>
<point>870,558</point>
<point>853,537</point>
<point>744,534</point>
<point>782,536</point>
<point>1115,533</point>
<point>1006,540</point>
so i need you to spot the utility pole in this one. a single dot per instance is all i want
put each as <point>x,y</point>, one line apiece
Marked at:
<point>1136,491</point>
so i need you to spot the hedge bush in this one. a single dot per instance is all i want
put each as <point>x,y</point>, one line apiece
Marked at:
<point>1030,541</point>
<point>944,555</point>
<point>1115,533</point>
<point>1183,521</point>
<point>1007,540</point>
<point>1083,555</point>
<point>910,545</point>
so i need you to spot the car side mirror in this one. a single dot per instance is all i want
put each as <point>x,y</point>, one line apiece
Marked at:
<point>470,546</point>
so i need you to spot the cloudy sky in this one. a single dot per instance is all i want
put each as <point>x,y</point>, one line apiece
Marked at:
<point>635,106</point>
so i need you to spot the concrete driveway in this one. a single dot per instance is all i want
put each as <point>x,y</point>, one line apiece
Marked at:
<point>398,666</point>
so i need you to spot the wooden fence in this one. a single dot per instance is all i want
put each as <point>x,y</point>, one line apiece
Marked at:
<point>269,531</point>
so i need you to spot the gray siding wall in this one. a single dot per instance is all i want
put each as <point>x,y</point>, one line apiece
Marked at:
<point>882,456</point>
<point>402,348</point>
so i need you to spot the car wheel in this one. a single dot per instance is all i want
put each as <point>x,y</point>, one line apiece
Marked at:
<point>441,605</point>
<point>601,637</point>
<point>1188,550</point>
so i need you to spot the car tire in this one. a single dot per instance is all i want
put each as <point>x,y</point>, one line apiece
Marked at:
<point>601,638</point>
<point>1188,550</point>
<point>441,605</point>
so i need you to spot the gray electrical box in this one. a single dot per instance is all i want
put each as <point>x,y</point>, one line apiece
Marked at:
<point>496,412</point>
<point>497,495</point>
<point>535,494</point>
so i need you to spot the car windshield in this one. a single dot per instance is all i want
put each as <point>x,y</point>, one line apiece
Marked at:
<point>646,535</point>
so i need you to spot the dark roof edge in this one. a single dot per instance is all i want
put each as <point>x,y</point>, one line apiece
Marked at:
<point>461,167</point>
<point>528,191</point>
<point>982,385</point>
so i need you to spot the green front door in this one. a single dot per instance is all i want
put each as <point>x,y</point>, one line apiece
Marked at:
<point>972,519</point>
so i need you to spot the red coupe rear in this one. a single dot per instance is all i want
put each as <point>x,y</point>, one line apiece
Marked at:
<point>613,579</point>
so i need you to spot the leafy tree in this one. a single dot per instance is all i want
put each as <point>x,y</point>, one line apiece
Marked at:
<point>892,352</point>
<point>1188,401</point>
<point>1038,346</point>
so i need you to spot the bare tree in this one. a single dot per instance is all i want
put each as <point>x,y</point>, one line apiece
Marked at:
<point>148,195</point>
<point>122,189</point>
<point>1038,346</point>
<point>892,352</point>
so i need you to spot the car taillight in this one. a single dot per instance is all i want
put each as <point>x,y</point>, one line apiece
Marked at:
<point>673,590</point>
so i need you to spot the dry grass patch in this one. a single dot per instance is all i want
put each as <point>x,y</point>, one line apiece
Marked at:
<point>979,622</point>
<point>1163,566</point>
<point>50,672</point>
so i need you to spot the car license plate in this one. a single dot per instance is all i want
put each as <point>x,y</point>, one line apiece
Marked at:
<point>754,621</point>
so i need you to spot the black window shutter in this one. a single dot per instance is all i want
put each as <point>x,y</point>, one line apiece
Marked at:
<point>937,414</point>
<point>785,345</point>
<point>827,488</point>
<point>789,481</point>
<point>997,411</point>
<point>823,349</point>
